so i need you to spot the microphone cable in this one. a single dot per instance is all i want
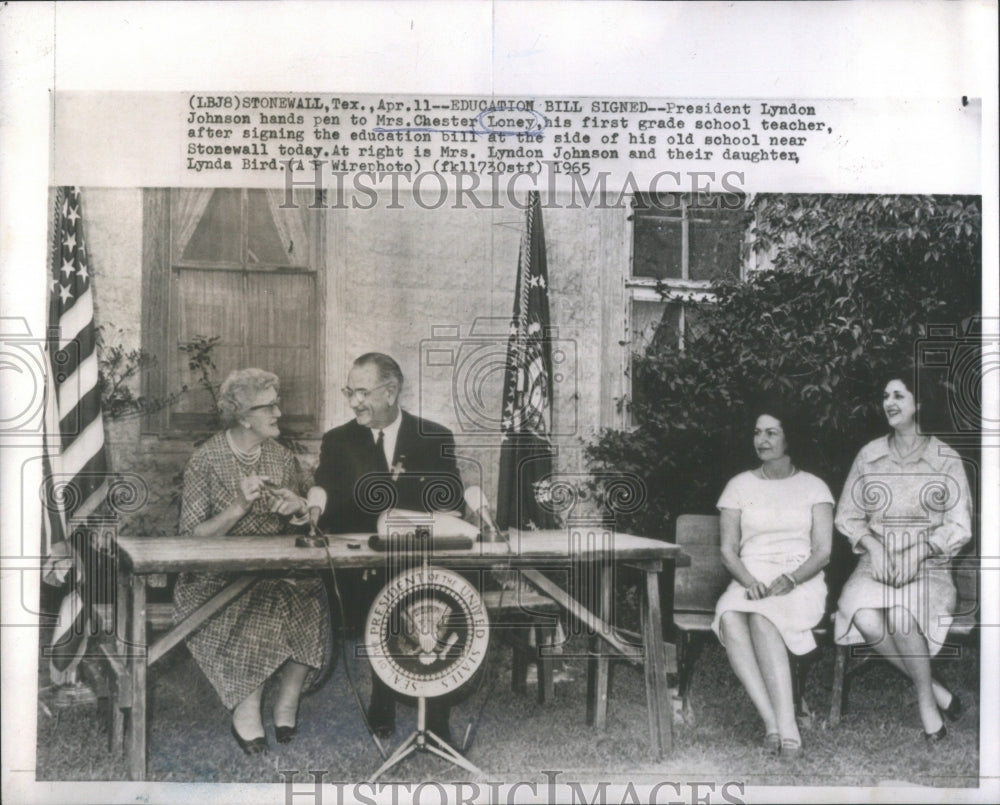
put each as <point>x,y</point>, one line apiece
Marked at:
<point>343,649</point>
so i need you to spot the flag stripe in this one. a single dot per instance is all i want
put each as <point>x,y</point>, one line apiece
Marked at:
<point>69,640</point>
<point>77,389</point>
<point>54,520</point>
<point>74,350</point>
<point>76,319</point>
<point>87,447</point>
<point>72,424</point>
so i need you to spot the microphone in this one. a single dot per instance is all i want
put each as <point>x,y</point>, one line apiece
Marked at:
<point>476,501</point>
<point>315,504</point>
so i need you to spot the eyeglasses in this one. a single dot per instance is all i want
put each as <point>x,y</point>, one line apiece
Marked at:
<point>272,406</point>
<point>361,394</point>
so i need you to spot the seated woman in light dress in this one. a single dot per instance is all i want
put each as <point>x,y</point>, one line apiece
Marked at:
<point>241,482</point>
<point>906,509</point>
<point>776,525</point>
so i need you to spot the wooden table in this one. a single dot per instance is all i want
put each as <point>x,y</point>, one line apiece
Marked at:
<point>576,550</point>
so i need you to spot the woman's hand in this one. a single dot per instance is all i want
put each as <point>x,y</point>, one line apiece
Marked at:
<point>878,557</point>
<point>904,566</point>
<point>896,542</point>
<point>249,490</point>
<point>286,502</point>
<point>782,585</point>
<point>757,590</point>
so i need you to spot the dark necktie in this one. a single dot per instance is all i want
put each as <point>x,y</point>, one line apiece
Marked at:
<point>380,463</point>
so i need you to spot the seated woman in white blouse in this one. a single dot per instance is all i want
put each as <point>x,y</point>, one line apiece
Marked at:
<point>776,529</point>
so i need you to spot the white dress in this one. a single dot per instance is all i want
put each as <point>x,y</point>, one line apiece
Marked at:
<point>775,530</point>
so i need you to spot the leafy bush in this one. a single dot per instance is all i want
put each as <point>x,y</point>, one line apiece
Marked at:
<point>118,367</point>
<point>854,282</point>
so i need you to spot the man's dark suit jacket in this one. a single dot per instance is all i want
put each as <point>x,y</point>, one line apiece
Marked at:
<point>427,477</point>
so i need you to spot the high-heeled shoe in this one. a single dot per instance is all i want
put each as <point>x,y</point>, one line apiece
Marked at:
<point>935,737</point>
<point>284,735</point>
<point>954,710</point>
<point>255,746</point>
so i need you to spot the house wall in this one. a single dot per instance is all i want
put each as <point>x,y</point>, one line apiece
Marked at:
<point>419,284</point>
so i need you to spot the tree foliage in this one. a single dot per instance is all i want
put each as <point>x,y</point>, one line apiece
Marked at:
<point>853,284</point>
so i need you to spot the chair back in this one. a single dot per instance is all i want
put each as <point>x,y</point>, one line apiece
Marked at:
<point>966,573</point>
<point>697,588</point>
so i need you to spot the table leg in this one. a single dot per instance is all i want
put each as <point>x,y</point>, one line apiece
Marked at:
<point>136,749</point>
<point>122,694</point>
<point>599,664</point>
<point>546,663</point>
<point>657,692</point>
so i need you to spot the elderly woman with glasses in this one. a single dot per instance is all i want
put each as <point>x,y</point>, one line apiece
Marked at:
<point>241,482</point>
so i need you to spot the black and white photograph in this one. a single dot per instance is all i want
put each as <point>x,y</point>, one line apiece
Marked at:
<point>412,438</point>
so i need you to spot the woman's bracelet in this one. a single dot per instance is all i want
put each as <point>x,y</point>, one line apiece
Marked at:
<point>791,578</point>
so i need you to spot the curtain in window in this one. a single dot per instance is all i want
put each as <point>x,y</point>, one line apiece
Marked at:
<point>187,207</point>
<point>292,223</point>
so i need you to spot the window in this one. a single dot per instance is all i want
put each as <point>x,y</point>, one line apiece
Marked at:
<point>237,265</point>
<point>681,244</point>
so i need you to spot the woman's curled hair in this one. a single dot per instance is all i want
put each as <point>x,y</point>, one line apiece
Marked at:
<point>238,390</point>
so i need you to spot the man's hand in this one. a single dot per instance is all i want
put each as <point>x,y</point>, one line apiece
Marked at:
<point>315,512</point>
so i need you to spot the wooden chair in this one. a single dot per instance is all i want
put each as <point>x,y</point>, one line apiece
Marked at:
<point>850,660</point>
<point>697,589</point>
<point>526,620</point>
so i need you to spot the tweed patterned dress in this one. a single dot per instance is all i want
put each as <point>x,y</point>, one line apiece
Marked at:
<point>278,618</point>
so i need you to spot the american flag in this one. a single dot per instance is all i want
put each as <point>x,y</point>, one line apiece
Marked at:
<point>76,480</point>
<point>526,450</point>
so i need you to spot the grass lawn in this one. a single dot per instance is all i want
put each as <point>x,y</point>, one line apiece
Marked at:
<point>877,742</point>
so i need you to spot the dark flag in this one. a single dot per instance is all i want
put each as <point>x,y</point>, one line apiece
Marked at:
<point>76,480</point>
<point>526,451</point>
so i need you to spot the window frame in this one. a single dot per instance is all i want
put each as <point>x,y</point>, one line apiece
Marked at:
<point>160,305</point>
<point>682,291</point>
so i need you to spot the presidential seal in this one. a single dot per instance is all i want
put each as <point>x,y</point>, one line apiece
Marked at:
<point>427,632</point>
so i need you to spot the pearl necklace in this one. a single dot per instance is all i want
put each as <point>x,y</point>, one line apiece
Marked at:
<point>791,472</point>
<point>249,457</point>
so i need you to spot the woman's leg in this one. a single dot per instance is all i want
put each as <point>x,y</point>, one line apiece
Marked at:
<point>246,716</point>
<point>894,635</point>
<point>735,628</point>
<point>916,657</point>
<point>286,705</point>
<point>772,659</point>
